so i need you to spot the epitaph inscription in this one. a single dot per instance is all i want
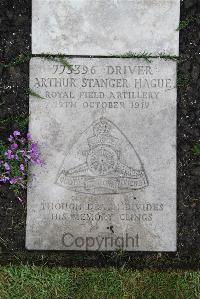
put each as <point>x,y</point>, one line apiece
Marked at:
<point>105,27</point>
<point>106,129</point>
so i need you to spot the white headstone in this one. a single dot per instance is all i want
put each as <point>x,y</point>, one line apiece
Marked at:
<point>105,27</point>
<point>106,129</point>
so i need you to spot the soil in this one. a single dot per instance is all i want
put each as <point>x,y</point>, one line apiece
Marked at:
<point>15,40</point>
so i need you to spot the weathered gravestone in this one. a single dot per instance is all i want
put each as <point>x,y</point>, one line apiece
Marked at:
<point>106,129</point>
<point>104,27</point>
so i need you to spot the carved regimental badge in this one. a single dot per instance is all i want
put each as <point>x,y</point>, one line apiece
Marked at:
<point>102,161</point>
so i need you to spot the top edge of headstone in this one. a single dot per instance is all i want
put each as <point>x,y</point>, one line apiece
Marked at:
<point>105,27</point>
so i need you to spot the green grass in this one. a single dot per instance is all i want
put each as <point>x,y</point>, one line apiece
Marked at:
<point>196,149</point>
<point>146,56</point>
<point>185,23</point>
<point>42,282</point>
<point>33,93</point>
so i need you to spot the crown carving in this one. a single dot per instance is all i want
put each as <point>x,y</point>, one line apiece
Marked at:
<point>102,135</point>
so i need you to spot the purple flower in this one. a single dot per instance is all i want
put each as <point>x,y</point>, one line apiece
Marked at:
<point>4,179</point>
<point>10,138</point>
<point>9,154</point>
<point>16,157</point>
<point>37,161</point>
<point>13,181</point>
<point>16,133</point>
<point>7,167</point>
<point>29,136</point>
<point>33,147</point>
<point>33,151</point>
<point>34,155</point>
<point>21,167</point>
<point>14,146</point>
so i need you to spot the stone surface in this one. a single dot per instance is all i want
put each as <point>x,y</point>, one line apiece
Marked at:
<point>105,27</point>
<point>106,129</point>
